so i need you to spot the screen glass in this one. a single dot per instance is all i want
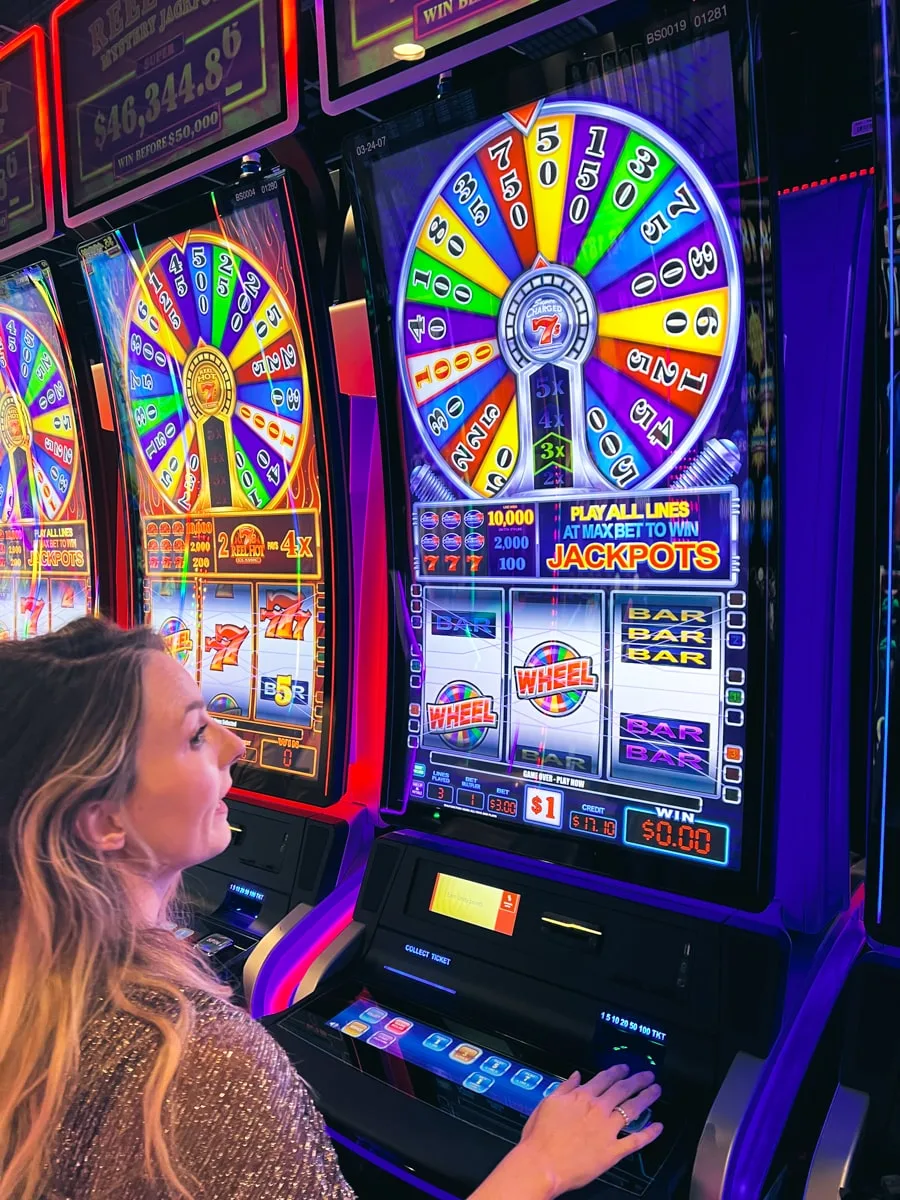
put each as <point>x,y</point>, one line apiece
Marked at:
<point>145,86</point>
<point>510,1083</point>
<point>584,404</point>
<point>209,356</point>
<point>363,33</point>
<point>46,573</point>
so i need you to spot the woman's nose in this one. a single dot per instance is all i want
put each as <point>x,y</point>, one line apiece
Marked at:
<point>234,747</point>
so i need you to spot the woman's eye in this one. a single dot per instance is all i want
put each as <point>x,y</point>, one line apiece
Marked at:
<point>200,736</point>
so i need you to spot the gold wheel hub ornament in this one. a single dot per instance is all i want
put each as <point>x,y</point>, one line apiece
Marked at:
<point>208,383</point>
<point>15,426</point>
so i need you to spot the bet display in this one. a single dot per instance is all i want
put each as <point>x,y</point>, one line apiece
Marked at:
<point>209,365</point>
<point>566,299</point>
<point>46,571</point>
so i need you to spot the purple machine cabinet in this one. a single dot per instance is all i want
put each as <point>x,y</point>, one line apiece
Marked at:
<point>855,1144</point>
<point>621,405</point>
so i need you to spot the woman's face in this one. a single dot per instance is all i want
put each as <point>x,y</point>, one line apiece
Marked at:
<point>184,761</point>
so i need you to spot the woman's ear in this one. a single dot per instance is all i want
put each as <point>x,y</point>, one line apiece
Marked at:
<point>99,824</point>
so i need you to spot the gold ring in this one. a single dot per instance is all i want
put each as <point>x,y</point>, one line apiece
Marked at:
<point>622,1113</point>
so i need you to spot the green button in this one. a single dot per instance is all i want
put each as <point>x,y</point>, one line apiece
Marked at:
<point>734,696</point>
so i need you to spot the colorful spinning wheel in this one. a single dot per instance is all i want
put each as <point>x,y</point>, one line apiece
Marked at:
<point>216,377</point>
<point>38,449</point>
<point>569,304</point>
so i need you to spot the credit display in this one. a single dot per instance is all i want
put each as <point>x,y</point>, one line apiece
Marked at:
<point>218,404</point>
<point>26,152</point>
<point>146,89</point>
<point>575,350</point>
<point>46,570</point>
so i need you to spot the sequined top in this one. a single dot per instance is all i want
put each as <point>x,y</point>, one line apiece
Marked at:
<point>247,1126</point>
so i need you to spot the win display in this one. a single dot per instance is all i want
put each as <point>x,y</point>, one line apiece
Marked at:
<point>566,325</point>
<point>46,573</point>
<point>217,399</point>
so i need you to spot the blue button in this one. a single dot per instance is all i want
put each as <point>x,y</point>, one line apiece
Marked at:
<point>374,1015</point>
<point>551,1088</point>
<point>478,1083</point>
<point>495,1066</point>
<point>527,1080</point>
<point>437,1041</point>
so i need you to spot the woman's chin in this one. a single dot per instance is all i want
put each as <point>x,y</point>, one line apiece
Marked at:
<point>220,838</point>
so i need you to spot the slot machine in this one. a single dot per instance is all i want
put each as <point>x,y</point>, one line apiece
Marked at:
<point>216,345</point>
<point>618,736</point>
<point>48,548</point>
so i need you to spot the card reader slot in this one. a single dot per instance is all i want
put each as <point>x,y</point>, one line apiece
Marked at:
<point>570,929</point>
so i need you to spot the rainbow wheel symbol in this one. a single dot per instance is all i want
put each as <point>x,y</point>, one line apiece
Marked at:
<point>177,638</point>
<point>223,704</point>
<point>569,304</point>
<point>38,449</point>
<point>462,739</point>
<point>215,377</point>
<point>560,704</point>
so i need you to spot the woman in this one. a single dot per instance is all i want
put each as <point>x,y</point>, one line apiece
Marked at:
<point>124,1070</point>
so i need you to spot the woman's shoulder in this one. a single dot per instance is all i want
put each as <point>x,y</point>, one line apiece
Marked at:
<point>224,1035</point>
<point>227,1064</point>
<point>221,1032</point>
<point>233,1085</point>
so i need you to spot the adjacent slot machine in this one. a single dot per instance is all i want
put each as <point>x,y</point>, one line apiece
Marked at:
<point>217,351</point>
<point>620,664</point>
<point>46,563</point>
<point>47,559</point>
<point>845,1141</point>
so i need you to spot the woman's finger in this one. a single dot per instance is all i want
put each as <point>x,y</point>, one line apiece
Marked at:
<point>570,1084</point>
<point>637,1104</point>
<point>605,1079</point>
<point>637,1141</point>
<point>624,1089</point>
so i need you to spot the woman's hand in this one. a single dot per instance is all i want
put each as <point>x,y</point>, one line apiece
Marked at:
<point>573,1136</point>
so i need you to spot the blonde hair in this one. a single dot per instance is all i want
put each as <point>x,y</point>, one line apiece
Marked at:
<point>70,716</point>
